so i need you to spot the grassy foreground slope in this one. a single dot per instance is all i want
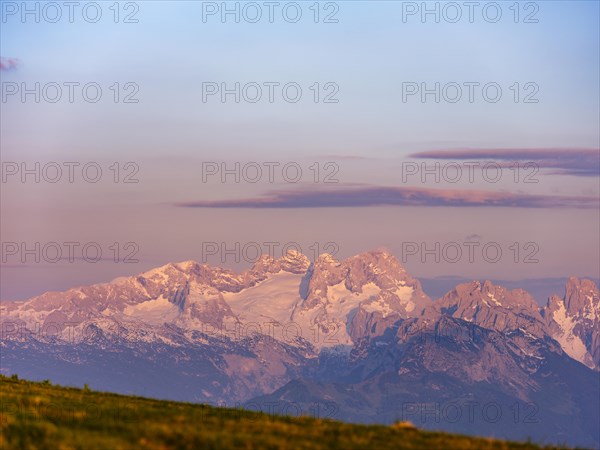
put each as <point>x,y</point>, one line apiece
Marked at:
<point>42,416</point>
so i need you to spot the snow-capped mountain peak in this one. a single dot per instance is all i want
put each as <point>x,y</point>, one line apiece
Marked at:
<point>574,321</point>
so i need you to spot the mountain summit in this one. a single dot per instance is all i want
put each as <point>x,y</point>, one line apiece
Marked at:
<point>574,321</point>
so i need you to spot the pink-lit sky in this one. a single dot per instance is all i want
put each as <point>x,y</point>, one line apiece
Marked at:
<point>545,221</point>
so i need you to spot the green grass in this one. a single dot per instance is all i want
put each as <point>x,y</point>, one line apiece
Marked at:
<point>43,416</point>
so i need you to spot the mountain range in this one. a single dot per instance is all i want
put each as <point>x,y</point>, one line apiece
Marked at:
<point>356,339</point>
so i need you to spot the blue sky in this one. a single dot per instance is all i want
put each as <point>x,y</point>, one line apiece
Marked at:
<point>369,53</point>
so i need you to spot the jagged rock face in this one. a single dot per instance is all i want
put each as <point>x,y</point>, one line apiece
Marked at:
<point>358,297</point>
<point>371,268</point>
<point>202,304</point>
<point>292,262</point>
<point>366,324</point>
<point>472,353</point>
<point>492,307</point>
<point>574,321</point>
<point>326,271</point>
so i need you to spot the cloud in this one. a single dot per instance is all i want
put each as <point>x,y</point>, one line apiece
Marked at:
<point>396,196</point>
<point>334,157</point>
<point>8,63</point>
<point>560,161</point>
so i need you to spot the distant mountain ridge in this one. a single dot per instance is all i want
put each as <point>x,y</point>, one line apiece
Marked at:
<point>189,331</point>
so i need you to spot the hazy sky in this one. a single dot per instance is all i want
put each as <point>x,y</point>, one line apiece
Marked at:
<point>365,145</point>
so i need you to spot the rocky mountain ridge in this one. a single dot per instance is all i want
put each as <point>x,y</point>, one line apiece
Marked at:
<point>328,303</point>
